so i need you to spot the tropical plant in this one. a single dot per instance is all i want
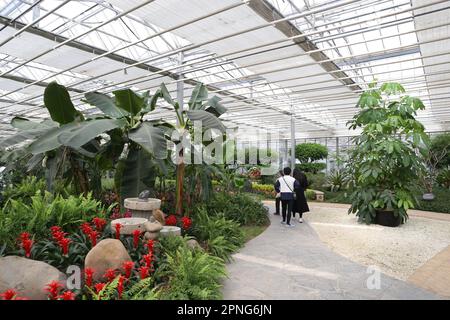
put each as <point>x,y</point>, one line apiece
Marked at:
<point>191,274</point>
<point>220,237</point>
<point>384,162</point>
<point>337,180</point>
<point>309,154</point>
<point>440,145</point>
<point>200,108</point>
<point>443,178</point>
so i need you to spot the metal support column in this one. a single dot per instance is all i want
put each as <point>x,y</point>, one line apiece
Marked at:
<point>292,141</point>
<point>180,84</point>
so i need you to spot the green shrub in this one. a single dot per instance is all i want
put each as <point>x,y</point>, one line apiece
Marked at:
<point>313,167</point>
<point>266,190</point>
<point>43,212</point>
<point>317,181</point>
<point>441,203</point>
<point>443,178</point>
<point>191,275</point>
<point>238,207</point>
<point>220,237</point>
<point>24,190</point>
<point>310,152</point>
<point>310,194</point>
<point>439,144</point>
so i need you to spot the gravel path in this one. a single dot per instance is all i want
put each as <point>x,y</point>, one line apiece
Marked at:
<point>397,251</point>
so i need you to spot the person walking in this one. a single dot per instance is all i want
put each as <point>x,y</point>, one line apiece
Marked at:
<point>286,186</point>
<point>277,197</point>
<point>300,203</point>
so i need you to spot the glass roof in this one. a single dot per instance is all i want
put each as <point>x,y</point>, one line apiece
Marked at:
<point>262,74</point>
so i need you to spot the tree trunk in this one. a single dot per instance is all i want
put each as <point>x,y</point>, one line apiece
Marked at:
<point>179,184</point>
<point>81,179</point>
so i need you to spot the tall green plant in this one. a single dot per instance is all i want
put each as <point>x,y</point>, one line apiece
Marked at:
<point>200,108</point>
<point>384,164</point>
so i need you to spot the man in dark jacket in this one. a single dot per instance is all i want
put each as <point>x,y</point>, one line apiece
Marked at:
<point>278,198</point>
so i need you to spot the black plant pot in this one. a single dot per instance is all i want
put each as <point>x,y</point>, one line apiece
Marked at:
<point>387,218</point>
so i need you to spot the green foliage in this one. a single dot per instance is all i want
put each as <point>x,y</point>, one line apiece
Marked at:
<point>440,144</point>
<point>312,167</point>
<point>443,178</point>
<point>238,207</point>
<point>267,190</point>
<point>310,194</point>
<point>220,237</point>
<point>45,211</point>
<point>24,190</point>
<point>337,180</point>
<point>310,152</point>
<point>316,181</point>
<point>441,203</point>
<point>384,164</point>
<point>191,274</point>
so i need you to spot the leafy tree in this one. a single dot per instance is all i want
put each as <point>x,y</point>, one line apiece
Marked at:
<point>309,154</point>
<point>440,145</point>
<point>384,164</point>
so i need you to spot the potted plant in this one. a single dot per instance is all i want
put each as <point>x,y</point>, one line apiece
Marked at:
<point>385,165</point>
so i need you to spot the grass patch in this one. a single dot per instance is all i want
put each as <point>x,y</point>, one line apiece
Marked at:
<point>251,232</point>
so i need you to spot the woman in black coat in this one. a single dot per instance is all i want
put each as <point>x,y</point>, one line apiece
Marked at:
<point>300,204</point>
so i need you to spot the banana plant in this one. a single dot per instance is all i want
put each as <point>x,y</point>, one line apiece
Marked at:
<point>117,138</point>
<point>200,108</point>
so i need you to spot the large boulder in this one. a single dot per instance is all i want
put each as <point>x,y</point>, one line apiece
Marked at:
<point>107,254</point>
<point>28,277</point>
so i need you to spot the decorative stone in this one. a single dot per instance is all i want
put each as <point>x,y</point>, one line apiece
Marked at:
<point>159,216</point>
<point>28,277</point>
<point>320,196</point>
<point>129,225</point>
<point>142,208</point>
<point>193,244</point>
<point>153,226</point>
<point>170,231</point>
<point>151,235</point>
<point>107,254</point>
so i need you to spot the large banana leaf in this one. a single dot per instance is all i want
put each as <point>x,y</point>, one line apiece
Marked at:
<point>130,101</point>
<point>209,121</point>
<point>105,104</point>
<point>29,131</point>
<point>164,92</point>
<point>199,94</point>
<point>57,101</point>
<point>83,132</point>
<point>214,106</point>
<point>138,173</point>
<point>25,124</point>
<point>49,140</point>
<point>151,139</point>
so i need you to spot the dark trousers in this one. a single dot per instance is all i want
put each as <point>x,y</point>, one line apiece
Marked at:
<point>277,206</point>
<point>286,205</point>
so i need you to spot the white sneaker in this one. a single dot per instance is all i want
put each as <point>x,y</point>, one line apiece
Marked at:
<point>300,220</point>
<point>290,225</point>
<point>282,222</point>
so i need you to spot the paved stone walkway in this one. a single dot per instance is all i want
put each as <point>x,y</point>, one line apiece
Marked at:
<point>293,264</point>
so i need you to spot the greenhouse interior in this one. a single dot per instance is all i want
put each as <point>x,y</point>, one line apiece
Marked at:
<point>225,150</point>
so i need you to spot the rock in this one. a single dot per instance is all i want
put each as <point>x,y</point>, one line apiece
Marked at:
<point>153,227</point>
<point>108,253</point>
<point>28,277</point>
<point>151,235</point>
<point>193,244</point>
<point>159,216</point>
<point>128,225</point>
<point>170,231</point>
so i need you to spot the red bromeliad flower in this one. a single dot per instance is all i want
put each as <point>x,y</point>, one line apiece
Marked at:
<point>186,223</point>
<point>24,236</point>
<point>64,244</point>
<point>99,223</point>
<point>93,237</point>
<point>136,237</point>
<point>120,286</point>
<point>116,214</point>
<point>127,214</point>
<point>53,289</point>
<point>110,274</point>
<point>118,226</point>
<point>55,229</point>
<point>127,268</point>
<point>86,228</point>
<point>89,273</point>
<point>99,287</point>
<point>150,245</point>
<point>171,220</point>
<point>144,272</point>
<point>68,295</point>
<point>148,260</point>
<point>58,235</point>
<point>27,244</point>
<point>9,294</point>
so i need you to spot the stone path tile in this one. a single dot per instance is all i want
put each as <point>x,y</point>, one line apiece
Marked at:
<point>293,264</point>
<point>434,275</point>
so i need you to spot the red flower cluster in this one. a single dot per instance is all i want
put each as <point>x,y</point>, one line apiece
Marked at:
<point>128,268</point>
<point>136,237</point>
<point>144,272</point>
<point>118,226</point>
<point>88,275</point>
<point>99,287</point>
<point>186,223</point>
<point>59,236</point>
<point>147,259</point>
<point>120,286</point>
<point>11,294</point>
<point>110,274</point>
<point>127,214</point>
<point>99,224</point>
<point>171,220</point>
<point>67,295</point>
<point>53,289</point>
<point>26,243</point>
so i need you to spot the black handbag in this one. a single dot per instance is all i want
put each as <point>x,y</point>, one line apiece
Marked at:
<point>293,193</point>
